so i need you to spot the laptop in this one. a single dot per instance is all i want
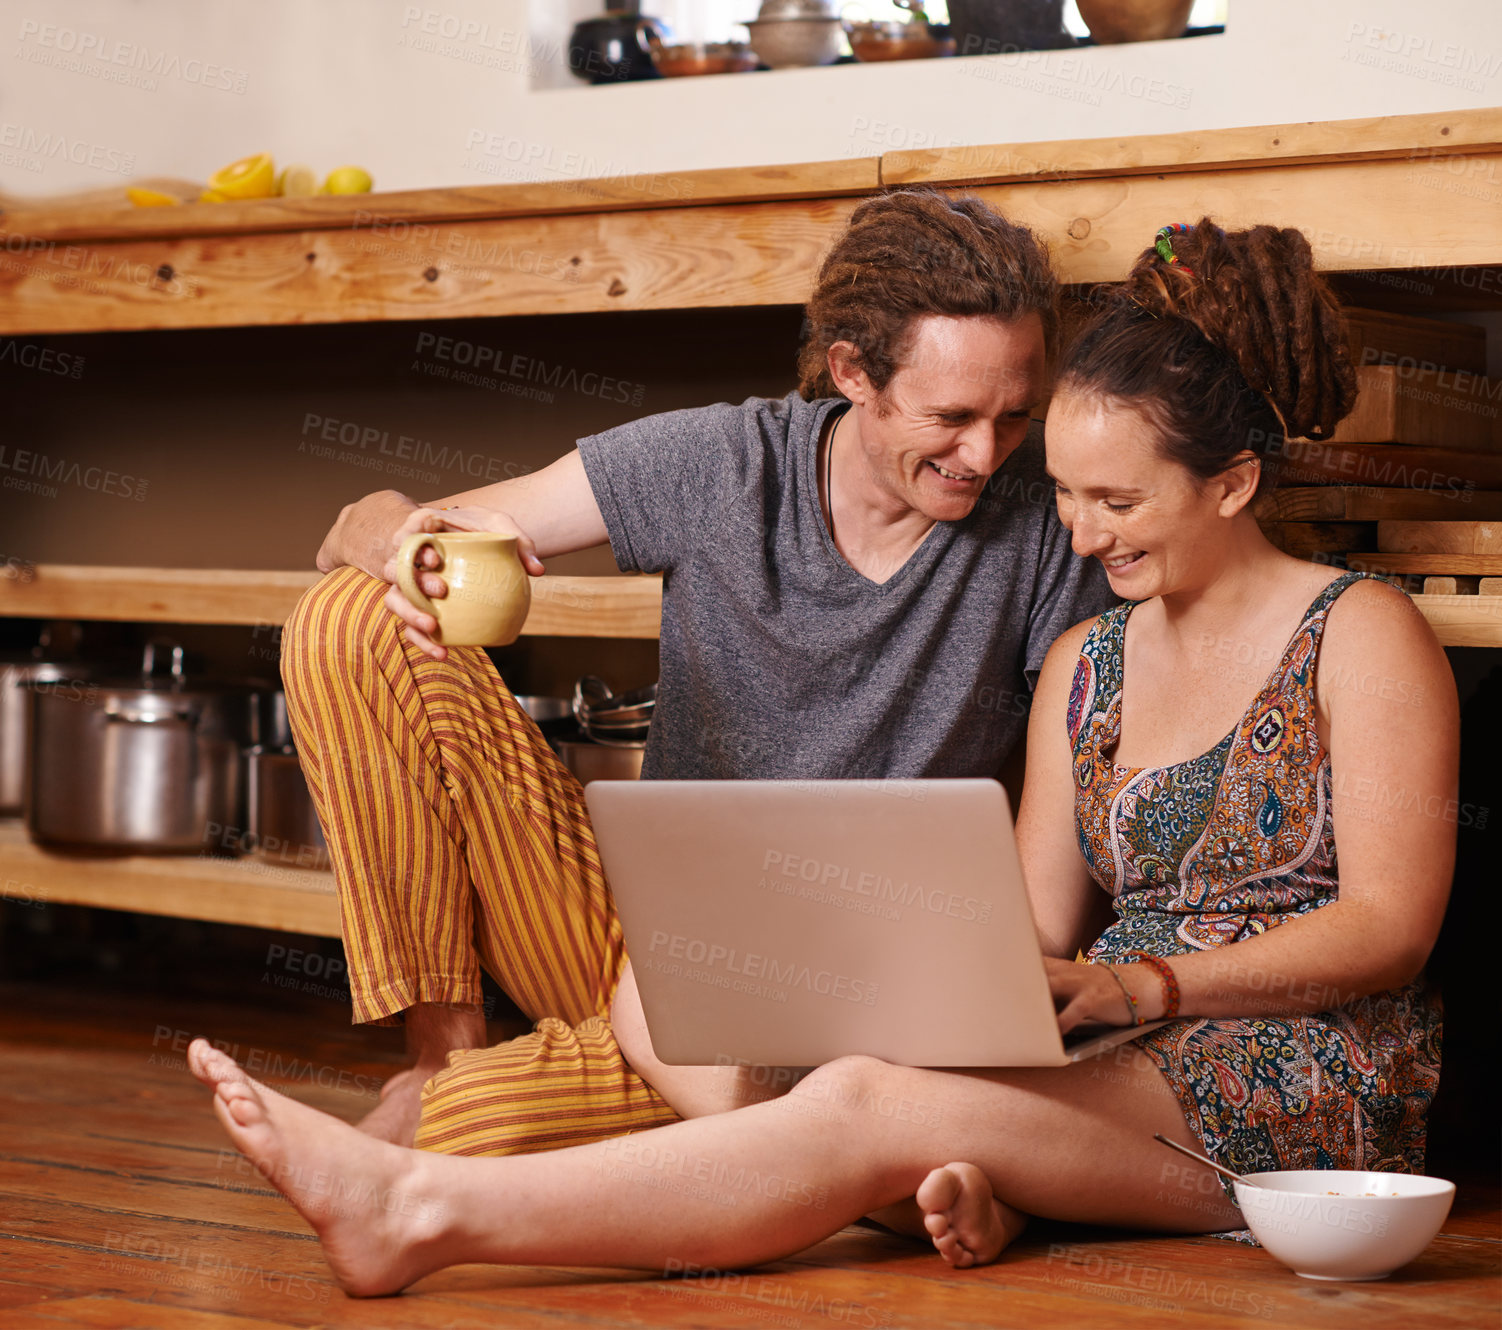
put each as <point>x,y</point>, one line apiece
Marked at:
<point>787,923</point>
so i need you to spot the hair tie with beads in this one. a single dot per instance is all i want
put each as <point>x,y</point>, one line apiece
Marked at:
<point>1164,245</point>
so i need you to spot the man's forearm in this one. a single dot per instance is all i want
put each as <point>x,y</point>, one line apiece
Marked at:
<point>361,535</point>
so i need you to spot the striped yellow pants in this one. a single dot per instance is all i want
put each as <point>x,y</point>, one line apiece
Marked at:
<point>459,840</point>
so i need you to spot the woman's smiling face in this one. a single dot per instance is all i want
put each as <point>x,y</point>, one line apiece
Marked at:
<point>1153,526</point>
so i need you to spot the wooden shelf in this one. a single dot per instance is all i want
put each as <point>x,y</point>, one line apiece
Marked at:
<point>1464,621</point>
<point>1370,194</point>
<point>626,607</point>
<point>227,891</point>
<point>561,606</point>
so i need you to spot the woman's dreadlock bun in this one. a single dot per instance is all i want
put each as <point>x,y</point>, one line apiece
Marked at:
<point>1228,345</point>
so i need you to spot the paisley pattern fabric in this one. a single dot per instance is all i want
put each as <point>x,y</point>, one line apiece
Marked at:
<point>1227,845</point>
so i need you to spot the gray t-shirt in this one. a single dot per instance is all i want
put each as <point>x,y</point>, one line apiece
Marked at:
<point>780,660</point>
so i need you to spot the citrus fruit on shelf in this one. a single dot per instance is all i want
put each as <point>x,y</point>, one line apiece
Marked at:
<point>297,182</point>
<point>250,178</point>
<point>347,180</point>
<point>150,198</point>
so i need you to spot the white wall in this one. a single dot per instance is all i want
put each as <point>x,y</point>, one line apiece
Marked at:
<point>96,91</point>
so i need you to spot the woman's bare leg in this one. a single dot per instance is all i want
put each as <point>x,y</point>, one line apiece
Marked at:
<point>728,1190</point>
<point>692,1092</point>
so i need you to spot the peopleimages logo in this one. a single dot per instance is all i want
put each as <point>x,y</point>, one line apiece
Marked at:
<point>717,958</point>
<point>878,886</point>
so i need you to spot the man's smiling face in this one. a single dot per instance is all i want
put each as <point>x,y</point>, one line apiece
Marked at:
<point>954,411</point>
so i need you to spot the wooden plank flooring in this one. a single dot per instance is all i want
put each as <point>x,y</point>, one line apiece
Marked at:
<point>121,1205</point>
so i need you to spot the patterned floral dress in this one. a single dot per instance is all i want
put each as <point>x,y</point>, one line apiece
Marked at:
<point>1203,853</point>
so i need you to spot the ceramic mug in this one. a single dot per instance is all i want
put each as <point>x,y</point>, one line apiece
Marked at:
<point>489,590</point>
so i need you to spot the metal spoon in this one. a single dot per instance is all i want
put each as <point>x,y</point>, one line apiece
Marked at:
<point>1208,1163</point>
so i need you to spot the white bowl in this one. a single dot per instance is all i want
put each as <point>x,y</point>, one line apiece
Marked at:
<point>796,43</point>
<point>1372,1224</point>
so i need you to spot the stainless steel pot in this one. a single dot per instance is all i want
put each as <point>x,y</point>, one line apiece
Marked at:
<point>50,662</point>
<point>283,823</point>
<point>552,715</point>
<point>144,765</point>
<point>276,725</point>
<point>592,761</point>
<point>15,706</point>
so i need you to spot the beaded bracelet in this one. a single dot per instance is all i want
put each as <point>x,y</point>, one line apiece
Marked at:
<point>1166,976</point>
<point>1133,1014</point>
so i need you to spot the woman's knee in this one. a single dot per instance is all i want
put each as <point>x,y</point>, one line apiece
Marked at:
<point>848,1081</point>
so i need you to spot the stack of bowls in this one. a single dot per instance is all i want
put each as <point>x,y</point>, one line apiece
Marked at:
<point>615,731</point>
<point>792,34</point>
<point>616,721</point>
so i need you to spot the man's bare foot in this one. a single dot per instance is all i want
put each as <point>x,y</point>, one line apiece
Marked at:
<point>434,1030</point>
<point>968,1225</point>
<point>372,1205</point>
<point>396,1117</point>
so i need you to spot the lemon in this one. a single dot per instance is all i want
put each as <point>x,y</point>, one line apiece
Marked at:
<point>211,196</point>
<point>347,180</point>
<point>249,178</point>
<point>297,182</point>
<point>150,198</point>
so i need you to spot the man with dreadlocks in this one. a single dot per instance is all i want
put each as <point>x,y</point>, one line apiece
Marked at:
<point>861,579</point>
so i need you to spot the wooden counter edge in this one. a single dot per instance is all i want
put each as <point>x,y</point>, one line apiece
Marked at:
<point>1422,136</point>
<point>400,210</point>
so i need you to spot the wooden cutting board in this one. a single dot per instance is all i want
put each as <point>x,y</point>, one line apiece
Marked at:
<point>1387,465</point>
<point>1439,537</point>
<point>1451,565</point>
<point>1432,408</point>
<point>1301,539</point>
<point>1379,338</point>
<point>1469,585</point>
<point>1339,503</point>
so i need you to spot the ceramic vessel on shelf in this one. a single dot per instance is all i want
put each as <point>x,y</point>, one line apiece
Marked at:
<point>897,41</point>
<point>703,58</point>
<point>995,27</point>
<point>617,46</point>
<point>772,9</point>
<point>1113,21</point>
<point>792,43</point>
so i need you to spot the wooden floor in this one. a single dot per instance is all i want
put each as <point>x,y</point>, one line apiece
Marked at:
<point>121,1206</point>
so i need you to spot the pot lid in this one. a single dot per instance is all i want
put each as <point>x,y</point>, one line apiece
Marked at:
<point>29,669</point>
<point>162,672</point>
<point>61,648</point>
